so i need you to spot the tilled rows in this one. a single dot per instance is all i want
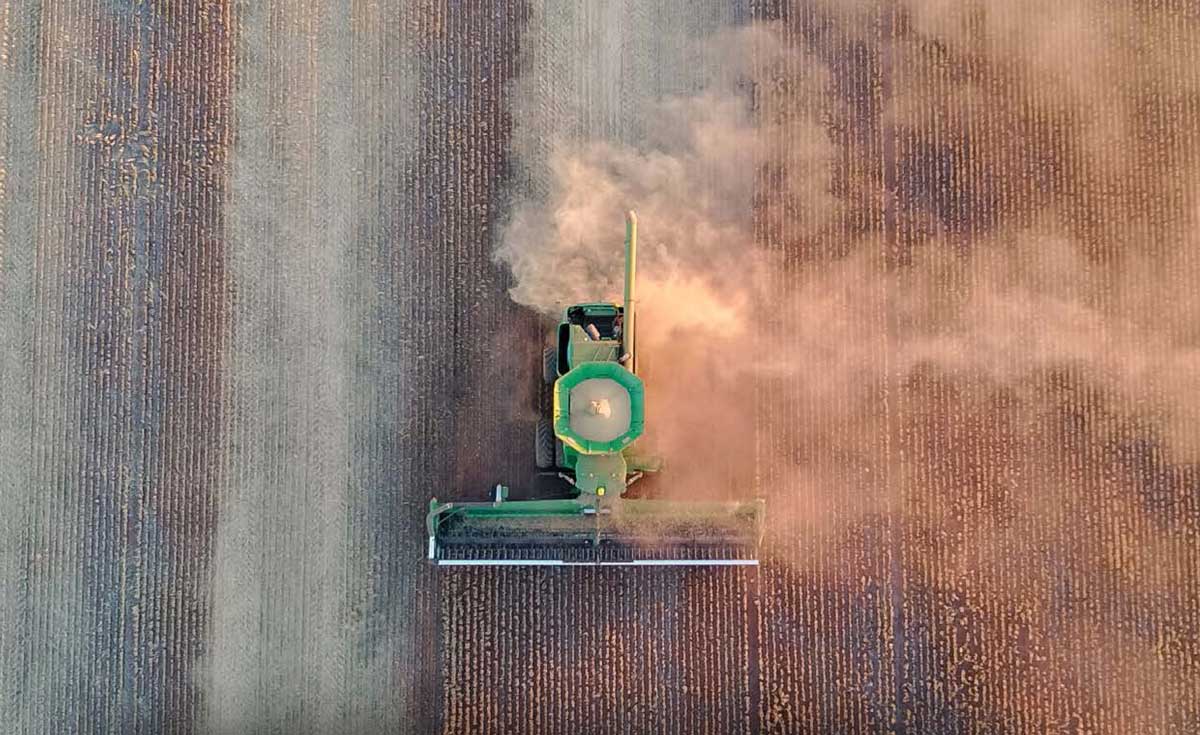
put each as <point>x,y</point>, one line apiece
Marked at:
<point>665,650</point>
<point>252,318</point>
<point>113,158</point>
<point>988,551</point>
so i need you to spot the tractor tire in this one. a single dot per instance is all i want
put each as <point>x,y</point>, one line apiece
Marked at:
<point>544,447</point>
<point>550,365</point>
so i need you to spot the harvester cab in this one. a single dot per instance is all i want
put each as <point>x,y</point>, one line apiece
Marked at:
<point>590,442</point>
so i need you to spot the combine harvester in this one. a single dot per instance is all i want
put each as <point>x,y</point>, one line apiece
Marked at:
<point>599,412</point>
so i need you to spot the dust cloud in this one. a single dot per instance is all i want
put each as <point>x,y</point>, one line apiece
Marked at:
<point>932,262</point>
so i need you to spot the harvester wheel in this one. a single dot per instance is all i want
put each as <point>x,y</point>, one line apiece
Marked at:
<point>545,445</point>
<point>550,365</point>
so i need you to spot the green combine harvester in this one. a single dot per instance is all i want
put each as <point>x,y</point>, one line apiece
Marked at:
<point>599,413</point>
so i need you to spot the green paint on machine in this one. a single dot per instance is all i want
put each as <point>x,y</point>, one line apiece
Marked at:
<point>598,415</point>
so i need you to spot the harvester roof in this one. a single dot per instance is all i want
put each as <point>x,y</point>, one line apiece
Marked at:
<point>599,407</point>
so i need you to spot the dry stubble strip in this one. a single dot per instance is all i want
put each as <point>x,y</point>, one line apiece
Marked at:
<point>24,321</point>
<point>50,594</point>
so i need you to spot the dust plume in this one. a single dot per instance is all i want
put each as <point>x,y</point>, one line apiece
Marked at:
<point>927,269</point>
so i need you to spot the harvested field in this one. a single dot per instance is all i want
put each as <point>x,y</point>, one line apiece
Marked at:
<point>920,274</point>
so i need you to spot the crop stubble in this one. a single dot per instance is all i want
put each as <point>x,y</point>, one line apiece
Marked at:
<point>111,334</point>
<point>261,324</point>
<point>337,354</point>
